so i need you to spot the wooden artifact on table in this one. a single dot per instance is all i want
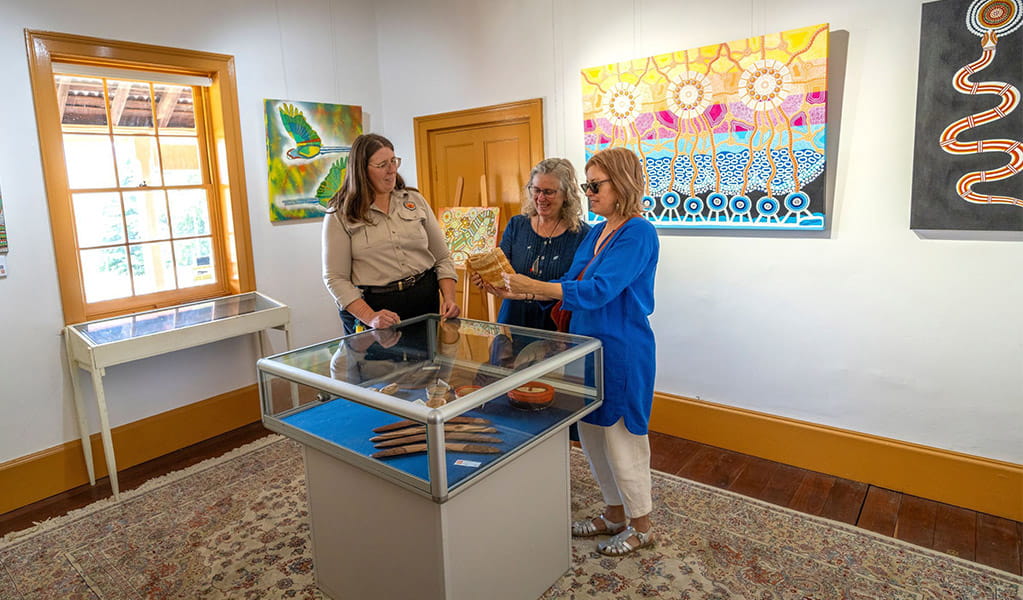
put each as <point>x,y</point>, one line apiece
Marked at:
<point>422,429</point>
<point>454,435</point>
<point>389,389</point>
<point>451,421</point>
<point>417,448</point>
<point>491,266</point>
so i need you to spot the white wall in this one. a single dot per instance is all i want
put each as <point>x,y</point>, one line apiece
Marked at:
<point>317,50</point>
<point>869,327</point>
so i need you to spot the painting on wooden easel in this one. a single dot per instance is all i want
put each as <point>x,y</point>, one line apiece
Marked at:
<point>469,230</point>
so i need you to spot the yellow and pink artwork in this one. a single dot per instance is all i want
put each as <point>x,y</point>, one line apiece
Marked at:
<point>469,230</point>
<point>307,146</point>
<point>731,135</point>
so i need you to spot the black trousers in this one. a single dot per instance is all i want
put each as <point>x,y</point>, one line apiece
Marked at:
<point>420,299</point>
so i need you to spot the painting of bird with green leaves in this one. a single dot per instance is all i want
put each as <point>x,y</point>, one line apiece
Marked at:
<point>307,146</point>
<point>307,141</point>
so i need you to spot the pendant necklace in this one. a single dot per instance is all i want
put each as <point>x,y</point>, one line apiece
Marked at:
<point>534,269</point>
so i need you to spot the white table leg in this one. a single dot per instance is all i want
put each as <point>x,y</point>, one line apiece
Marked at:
<point>259,342</point>
<point>83,423</point>
<point>287,344</point>
<point>108,442</point>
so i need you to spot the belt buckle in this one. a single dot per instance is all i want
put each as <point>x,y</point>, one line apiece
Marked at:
<point>408,281</point>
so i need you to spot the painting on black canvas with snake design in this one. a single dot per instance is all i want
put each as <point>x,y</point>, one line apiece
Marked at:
<point>968,155</point>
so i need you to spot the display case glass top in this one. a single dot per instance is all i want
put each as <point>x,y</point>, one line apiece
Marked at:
<point>432,404</point>
<point>122,328</point>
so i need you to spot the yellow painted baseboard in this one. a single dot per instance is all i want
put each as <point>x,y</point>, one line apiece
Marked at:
<point>972,482</point>
<point>54,470</point>
<point>977,483</point>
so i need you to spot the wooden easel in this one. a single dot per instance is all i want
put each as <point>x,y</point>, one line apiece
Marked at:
<point>484,202</point>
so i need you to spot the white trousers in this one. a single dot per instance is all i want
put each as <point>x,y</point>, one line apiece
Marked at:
<point>620,462</point>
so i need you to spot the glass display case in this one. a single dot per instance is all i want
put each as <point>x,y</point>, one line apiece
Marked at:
<point>95,345</point>
<point>431,405</point>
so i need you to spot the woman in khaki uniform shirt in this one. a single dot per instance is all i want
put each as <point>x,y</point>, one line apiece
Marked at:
<point>384,254</point>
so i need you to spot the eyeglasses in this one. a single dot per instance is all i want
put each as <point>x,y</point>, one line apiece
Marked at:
<point>592,187</point>
<point>533,191</point>
<point>395,161</point>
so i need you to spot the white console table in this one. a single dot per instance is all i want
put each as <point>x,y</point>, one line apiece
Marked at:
<point>95,345</point>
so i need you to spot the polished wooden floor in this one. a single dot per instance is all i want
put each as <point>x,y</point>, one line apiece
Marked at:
<point>970,535</point>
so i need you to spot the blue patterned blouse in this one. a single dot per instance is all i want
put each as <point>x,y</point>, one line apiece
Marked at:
<point>540,258</point>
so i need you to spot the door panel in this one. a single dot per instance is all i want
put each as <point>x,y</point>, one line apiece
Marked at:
<point>502,142</point>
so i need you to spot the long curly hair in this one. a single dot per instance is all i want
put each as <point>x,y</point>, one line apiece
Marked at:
<point>568,182</point>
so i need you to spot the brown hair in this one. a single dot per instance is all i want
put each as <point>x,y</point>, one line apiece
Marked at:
<point>356,193</point>
<point>572,207</point>
<point>626,173</point>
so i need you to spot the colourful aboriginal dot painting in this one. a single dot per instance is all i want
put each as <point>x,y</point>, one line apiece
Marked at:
<point>968,153</point>
<point>469,230</point>
<point>307,146</point>
<point>732,136</point>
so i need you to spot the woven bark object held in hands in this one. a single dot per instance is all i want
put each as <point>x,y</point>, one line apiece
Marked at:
<point>491,266</point>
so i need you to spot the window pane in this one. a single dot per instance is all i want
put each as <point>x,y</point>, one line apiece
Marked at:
<point>189,212</point>
<point>90,161</point>
<point>175,109</point>
<point>180,161</point>
<point>98,219</point>
<point>195,262</point>
<point>105,273</point>
<point>153,267</point>
<point>146,216</point>
<point>138,162</point>
<point>131,109</point>
<point>81,100</point>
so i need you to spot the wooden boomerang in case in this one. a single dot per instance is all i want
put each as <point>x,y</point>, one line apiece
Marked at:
<point>417,448</point>
<point>454,435</point>
<point>421,429</point>
<point>453,420</point>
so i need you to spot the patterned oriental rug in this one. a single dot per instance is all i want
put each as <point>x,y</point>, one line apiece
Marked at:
<point>236,527</point>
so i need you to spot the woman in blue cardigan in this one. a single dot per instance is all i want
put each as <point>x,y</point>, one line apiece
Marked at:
<point>610,291</point>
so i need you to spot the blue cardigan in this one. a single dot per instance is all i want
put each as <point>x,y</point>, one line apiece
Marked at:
<point>611,303</point>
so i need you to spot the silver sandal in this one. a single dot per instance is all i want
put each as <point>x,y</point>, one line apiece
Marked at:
<point>587,528</point>
<point>619,545</point>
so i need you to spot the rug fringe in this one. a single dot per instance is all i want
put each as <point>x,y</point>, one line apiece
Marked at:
<point>156,482</point>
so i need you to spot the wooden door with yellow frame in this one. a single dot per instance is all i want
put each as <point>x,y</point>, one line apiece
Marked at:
<point>502,143</point>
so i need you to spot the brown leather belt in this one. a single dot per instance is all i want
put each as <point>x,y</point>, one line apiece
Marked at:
<point>396,286</point>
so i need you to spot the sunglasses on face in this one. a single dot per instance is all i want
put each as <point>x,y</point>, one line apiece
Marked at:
<point>396,161</point>
<point>592,187</point>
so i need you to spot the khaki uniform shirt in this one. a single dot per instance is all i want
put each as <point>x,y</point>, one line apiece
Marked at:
<point>404,242</point>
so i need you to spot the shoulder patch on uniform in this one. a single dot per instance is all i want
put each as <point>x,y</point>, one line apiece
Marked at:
<point>409,205</point>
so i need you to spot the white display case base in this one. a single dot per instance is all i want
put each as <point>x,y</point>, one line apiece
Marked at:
<point>507,537</point>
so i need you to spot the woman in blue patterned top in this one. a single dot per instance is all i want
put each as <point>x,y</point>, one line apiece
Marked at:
<point>542,240</point>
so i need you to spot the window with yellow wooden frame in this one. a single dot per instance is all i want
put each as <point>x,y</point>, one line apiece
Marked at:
<point>142,159</point>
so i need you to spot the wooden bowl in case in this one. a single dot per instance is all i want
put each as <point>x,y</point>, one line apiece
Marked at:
<point>531,396</point>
